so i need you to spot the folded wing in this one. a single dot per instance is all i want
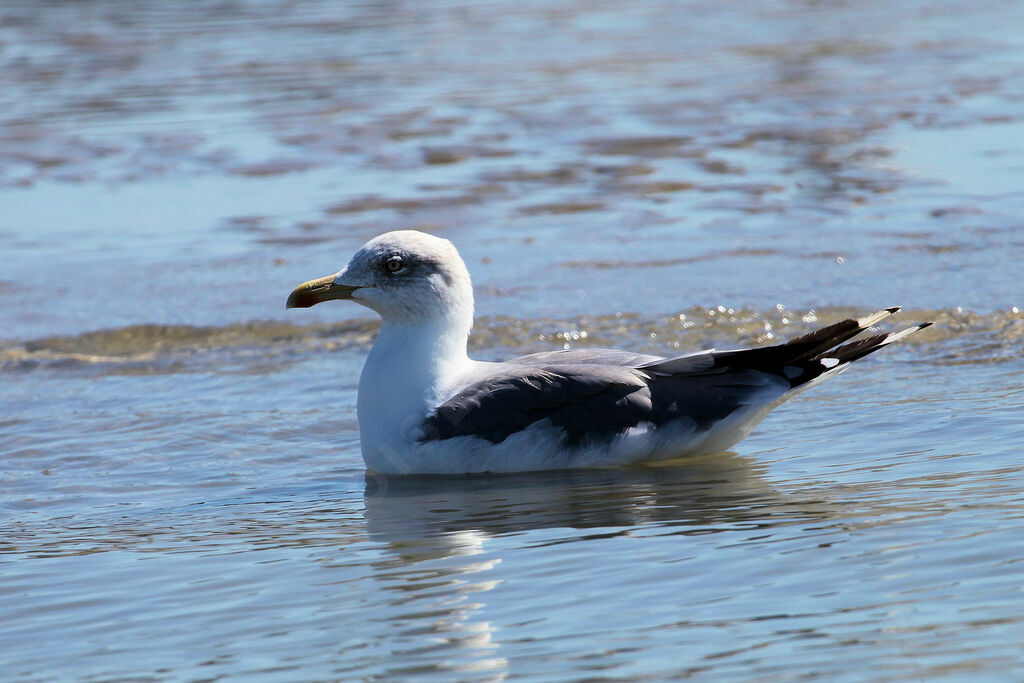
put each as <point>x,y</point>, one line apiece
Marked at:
<point>597,394</point>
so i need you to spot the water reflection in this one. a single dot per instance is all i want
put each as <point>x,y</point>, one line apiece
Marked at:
<point>446,539</point>
<point>432,590</point>
<point>720,491</point>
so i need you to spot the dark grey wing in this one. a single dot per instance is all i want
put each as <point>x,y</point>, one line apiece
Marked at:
<point>592,402</point>
<point>589,400</point>
<point>585,400</point>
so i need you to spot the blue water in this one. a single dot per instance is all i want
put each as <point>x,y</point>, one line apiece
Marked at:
<point>181,486</point>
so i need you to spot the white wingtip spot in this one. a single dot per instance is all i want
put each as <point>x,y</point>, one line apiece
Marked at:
<point>830,362</point>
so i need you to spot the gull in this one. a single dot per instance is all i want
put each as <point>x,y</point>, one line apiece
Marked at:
<point>425,407</point>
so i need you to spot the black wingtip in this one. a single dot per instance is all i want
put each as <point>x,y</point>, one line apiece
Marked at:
<point>894,309</point>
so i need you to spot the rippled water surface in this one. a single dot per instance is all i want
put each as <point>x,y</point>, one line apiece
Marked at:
<point>181,487</point>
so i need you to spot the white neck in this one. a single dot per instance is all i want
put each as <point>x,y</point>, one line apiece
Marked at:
<point>410,369</point>
<point>422,349</point>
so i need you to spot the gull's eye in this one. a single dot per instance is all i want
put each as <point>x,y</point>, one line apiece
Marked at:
<point>393,264</point>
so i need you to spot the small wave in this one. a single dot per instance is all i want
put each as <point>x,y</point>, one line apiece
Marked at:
<point>957,337</point>
<point>169,348</point>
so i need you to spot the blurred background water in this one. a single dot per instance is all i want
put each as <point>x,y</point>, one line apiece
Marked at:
<point>181,488</point>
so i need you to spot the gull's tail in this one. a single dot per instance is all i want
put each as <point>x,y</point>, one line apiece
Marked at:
<point>847,353</point>
<point>804,359</point>
<point>839,355</point>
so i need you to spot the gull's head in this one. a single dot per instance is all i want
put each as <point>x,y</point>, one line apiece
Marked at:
<point>406,276</point>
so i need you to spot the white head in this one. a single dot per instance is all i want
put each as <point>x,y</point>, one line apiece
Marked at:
<point>408,277</point>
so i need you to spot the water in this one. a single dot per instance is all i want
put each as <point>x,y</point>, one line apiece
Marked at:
<point>182,492</point>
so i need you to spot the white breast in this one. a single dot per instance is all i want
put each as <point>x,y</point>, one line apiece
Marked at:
<point>409,371</point>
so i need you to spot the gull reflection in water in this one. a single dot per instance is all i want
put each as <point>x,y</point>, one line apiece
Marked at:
<point>442,536</point>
